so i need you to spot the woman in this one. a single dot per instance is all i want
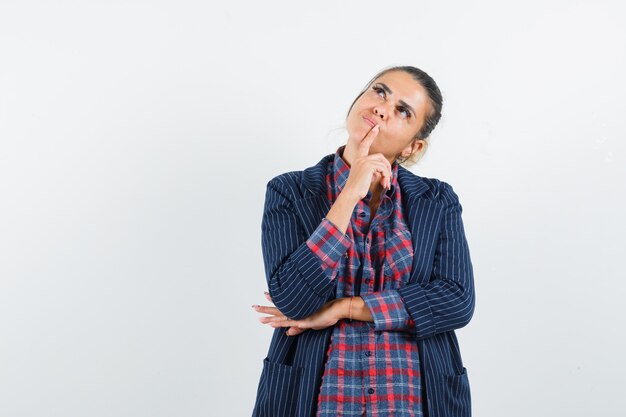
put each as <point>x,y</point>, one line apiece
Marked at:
<point>368,269</point>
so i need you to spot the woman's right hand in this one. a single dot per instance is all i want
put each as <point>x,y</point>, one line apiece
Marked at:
<point>366,169</point>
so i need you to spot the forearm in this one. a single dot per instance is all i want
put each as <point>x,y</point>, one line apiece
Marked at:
<point>384,310</point>
<point>341,211</point>
<point>296,281</point>
<point>447,301</point>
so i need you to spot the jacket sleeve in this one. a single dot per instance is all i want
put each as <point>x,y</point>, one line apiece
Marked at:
<point>447,301</point>
<point>299,279</point>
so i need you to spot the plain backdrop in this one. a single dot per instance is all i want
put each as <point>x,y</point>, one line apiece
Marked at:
<point>137,139</point>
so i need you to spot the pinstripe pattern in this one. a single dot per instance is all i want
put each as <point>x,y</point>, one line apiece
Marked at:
<point>439,296</point>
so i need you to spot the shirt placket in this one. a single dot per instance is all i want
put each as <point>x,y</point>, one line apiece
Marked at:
<point>356,342</point>
<point>367,341</point>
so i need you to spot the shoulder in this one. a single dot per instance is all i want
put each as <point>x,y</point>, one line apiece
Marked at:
<point>430,188</point>
<point>302,183</point>
<point>287,184</point>
<point>443,192</point>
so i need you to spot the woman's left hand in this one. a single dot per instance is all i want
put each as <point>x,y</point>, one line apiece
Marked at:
<point>328,315</point>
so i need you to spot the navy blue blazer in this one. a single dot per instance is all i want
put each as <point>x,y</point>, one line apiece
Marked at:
<point>439,296</point>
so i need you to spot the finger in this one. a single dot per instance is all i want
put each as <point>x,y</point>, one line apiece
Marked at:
<point>272,319</point>
<point>267,295</point>
<point>285,323</point>
<point>386,181</point>
<point>366,143</point>
<point>268,310</point>
<point>294,331</point>
<point>382,177</point>
<point>380,173</point>
<point>380,157</point>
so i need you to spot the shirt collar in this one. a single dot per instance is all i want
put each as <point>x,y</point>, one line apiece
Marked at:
<point>341,171</point>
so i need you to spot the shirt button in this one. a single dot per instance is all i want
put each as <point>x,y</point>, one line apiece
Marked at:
<point>368,353</point>
<point>367,240</point>
<point>371,390</point>
<point>367,280</point>
<point>362,214</point>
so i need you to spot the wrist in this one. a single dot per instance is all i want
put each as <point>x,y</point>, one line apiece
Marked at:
<point>343,308</point>
<point>360,311</point>
<point>350,197</point>
<point>351,308</point>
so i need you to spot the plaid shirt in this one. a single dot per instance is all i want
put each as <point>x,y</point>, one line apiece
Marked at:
<point>371,369</point>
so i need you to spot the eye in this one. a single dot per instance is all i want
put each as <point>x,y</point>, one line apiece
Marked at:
<point>402,109</point>
<point>379,90</point>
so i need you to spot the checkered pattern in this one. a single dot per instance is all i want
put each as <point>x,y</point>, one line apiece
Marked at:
<point>371,368</point>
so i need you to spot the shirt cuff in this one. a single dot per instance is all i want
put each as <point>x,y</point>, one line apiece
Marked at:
<point>388,311</point>
<point>329,244</point>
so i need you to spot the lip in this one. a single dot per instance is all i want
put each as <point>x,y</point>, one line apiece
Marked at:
<point>369,121</point>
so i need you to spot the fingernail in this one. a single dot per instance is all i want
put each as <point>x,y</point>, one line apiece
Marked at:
<point>266,293</point>
<point>255,305</point>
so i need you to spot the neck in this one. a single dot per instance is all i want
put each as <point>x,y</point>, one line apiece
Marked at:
<point>349,155</point>
<point>376,190</point>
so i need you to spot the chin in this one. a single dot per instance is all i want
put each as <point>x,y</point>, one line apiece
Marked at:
<point>359,131</point>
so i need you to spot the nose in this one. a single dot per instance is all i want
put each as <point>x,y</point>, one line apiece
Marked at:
<point>380,111</point>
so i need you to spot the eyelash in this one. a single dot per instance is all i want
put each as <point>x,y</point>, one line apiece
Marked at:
<point>378,90</point>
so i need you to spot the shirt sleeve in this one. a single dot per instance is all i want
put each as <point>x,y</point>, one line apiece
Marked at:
<point>388,311</point>
<point>329,244</point>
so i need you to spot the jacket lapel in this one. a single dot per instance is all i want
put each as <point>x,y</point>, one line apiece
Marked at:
<point>422,214</point>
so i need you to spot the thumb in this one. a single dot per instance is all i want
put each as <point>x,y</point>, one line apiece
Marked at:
<point>366,143</point>
<point>294,331</point>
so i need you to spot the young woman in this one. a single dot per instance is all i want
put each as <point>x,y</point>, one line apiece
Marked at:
<point>368,269</point>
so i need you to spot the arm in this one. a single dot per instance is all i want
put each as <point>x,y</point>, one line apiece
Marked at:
<point>384,310</point>
<point>447,301</point>
<point>299,281</point>
<point>329,243</point>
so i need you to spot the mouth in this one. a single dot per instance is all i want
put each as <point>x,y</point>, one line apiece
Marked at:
<point>369,121</point>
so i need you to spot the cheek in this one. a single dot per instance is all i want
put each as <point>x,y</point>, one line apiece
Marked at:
<point>394,138</point>
<point>397,131</point>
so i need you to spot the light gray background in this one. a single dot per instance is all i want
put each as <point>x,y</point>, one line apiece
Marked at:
<point>136,140</point>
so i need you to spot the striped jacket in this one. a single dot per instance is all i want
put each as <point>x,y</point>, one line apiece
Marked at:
<point>439,296</point>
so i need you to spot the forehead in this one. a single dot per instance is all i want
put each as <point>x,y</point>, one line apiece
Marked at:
<point>404,87</point>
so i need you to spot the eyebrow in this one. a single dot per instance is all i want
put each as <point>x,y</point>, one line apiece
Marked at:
<point>388,90</point>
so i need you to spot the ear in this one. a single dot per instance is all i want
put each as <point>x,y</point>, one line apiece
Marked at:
<point>411,148</point>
